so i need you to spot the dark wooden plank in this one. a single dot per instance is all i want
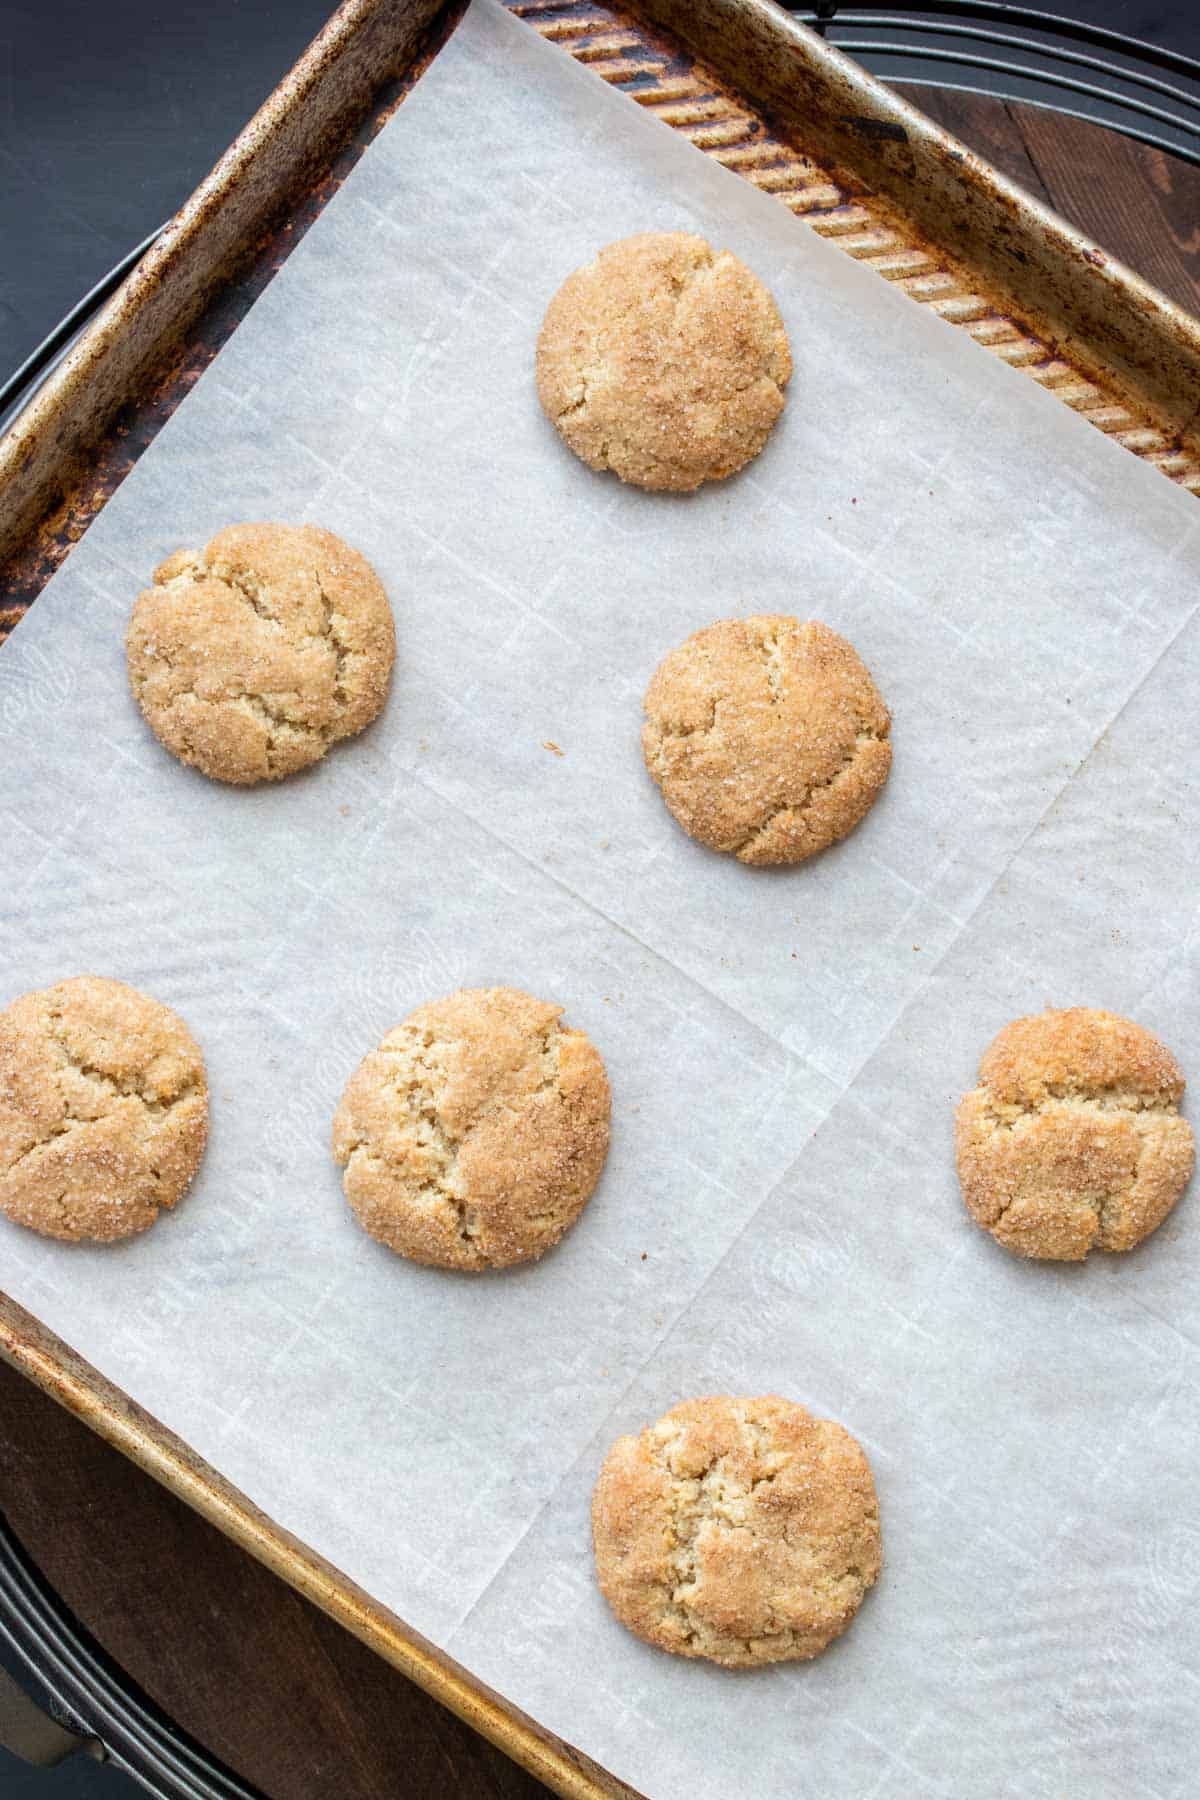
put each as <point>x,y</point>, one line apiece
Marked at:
<point>1137,203</point>
<point>274,1688</point>
<point>987,125</point>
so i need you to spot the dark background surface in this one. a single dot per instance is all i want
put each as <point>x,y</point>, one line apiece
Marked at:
<point>77,1779</point>
<point>109,116</point>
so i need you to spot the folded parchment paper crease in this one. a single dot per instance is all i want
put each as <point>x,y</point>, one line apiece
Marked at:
<point>785,1047</point>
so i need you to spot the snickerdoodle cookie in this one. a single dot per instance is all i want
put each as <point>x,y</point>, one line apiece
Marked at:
<point>663,360</point>
<point>103,1109</point>
<point>473,1136</point>
<point>743,1531</point>
<point>1073,1140</point>
<point>767,737</point>
<point>250,657</point>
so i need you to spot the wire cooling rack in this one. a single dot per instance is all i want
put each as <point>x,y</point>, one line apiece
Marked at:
<point>88,1694</point>
<point>1145,90</point>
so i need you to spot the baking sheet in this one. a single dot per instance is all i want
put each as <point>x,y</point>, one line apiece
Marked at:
<point>779,1212</point>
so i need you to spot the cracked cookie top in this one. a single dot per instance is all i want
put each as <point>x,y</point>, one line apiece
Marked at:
<point>250,657</point>
<point>1073,1140</point>
<point>743,1531</point>
<point>103,1109</point>
<point>768,738</point>
<point>664,361</point>
<point>473,1136</point>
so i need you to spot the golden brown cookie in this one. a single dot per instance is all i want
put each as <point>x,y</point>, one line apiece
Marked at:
<point>250,657</point>
<point>767,737</point>
<point>743,1531</point>
<point>473,1136</point>
<point>103,1109</point>
<point>663,360</point>
<point>1073,1140</point>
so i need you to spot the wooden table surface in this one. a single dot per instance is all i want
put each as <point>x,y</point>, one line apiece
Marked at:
<point>287,1698</point>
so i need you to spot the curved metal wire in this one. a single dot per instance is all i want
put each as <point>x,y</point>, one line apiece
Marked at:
<point>827,12</point>
<point>1190,152</point>
<point>67,1665</point>
<point>39,362</point>
<point>866,21</point>
<point>972,45</point>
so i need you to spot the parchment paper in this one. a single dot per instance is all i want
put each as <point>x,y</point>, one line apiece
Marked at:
<point>780,1211</point>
